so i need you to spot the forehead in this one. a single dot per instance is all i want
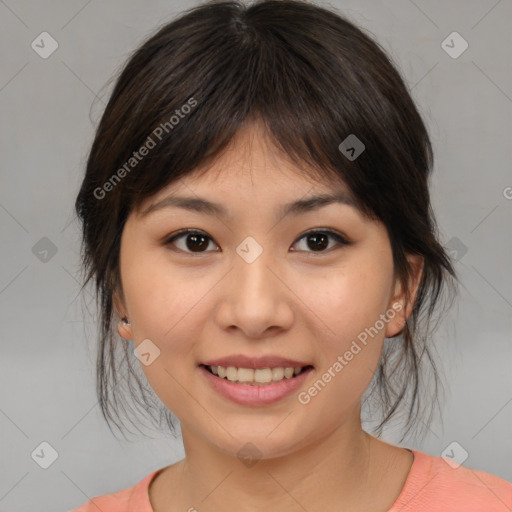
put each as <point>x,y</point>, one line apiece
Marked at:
<point>252,167</point>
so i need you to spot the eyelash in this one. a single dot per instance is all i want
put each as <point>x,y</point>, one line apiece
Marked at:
<point>333,234</point>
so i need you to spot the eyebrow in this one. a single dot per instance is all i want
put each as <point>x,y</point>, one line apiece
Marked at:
<point>201,205</point>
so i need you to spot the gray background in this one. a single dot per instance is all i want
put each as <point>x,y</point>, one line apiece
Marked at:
<point>48,112</point>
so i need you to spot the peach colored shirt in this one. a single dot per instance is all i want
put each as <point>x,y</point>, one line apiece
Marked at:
<point>431,486</point>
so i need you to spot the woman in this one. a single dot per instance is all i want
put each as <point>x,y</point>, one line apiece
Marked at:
<point>257,220</point>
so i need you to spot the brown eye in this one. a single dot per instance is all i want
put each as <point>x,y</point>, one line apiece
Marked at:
<point>198,241</point>
<point>318,241</point>
<point>195,241</point>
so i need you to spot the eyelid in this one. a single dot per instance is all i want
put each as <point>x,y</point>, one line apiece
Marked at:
<point>340,238</point>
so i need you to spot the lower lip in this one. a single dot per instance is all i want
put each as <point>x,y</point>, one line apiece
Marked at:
<point>263,394</point>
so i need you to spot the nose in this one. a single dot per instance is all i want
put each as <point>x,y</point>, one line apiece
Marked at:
<point>255,300</point>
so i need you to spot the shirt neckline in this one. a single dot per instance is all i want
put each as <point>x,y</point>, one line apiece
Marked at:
<point>418,464</point>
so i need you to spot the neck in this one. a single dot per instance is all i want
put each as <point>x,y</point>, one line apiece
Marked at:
<point>322,475</point>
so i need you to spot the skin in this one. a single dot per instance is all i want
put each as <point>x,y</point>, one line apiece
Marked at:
<point>304,304</point>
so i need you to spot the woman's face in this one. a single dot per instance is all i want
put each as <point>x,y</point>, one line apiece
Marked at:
<point>253,284</point>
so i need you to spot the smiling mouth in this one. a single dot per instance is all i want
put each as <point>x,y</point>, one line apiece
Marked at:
<point>256,377</point>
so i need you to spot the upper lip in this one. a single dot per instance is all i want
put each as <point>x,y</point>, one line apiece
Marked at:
<point>241,361</point>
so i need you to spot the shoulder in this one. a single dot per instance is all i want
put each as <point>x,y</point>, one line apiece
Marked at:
<point>435,485</point>
<point>131,499</point>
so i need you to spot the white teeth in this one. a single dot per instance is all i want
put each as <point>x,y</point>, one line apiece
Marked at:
<point>277,373</point>
<point>288,372</point>
<point>245,374</point>
<point>258,376</point>
<point>231,373</point>
<point>263,375</point>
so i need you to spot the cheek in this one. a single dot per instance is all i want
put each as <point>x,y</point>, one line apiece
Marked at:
<point>167,309</point>
<point>346,307</point>
<point>162,303</point>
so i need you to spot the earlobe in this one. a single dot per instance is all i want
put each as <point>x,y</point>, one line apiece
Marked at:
<point>397,319</point>
<point>123,327</point>
<point>400,305</point>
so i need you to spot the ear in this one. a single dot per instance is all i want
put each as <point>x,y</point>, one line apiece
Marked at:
<point>399,302</point>
<point>124,330</point>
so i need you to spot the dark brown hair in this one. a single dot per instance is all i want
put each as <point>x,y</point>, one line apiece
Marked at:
<point>311,78</point>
